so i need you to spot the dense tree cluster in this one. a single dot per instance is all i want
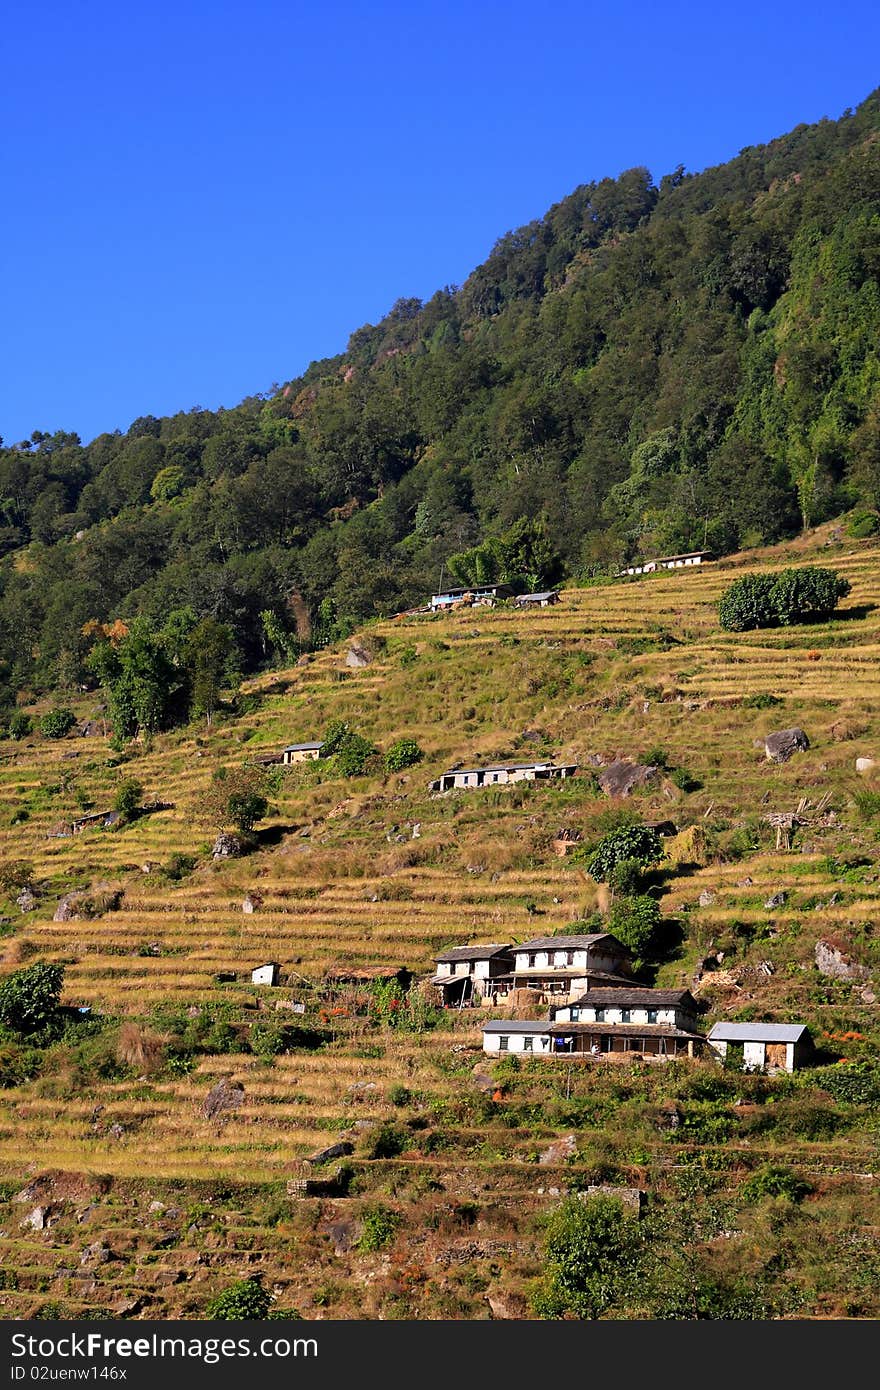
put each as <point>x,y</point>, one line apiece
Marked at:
<point>809,594</point>
<point>648,367</point>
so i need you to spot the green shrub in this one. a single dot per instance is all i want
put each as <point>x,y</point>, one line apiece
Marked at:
<point>408,656</point>
<point>626,877</point>
<point>685,781</point>
<point>634,921</point>
<point>862,524</point>
<point>244,1301</point>
<point>128,797</point>
<point>747,604</point>
<point>404,753</point>
<point>267,1038</point>
<point>29,998</point>
<point>399,1095</point>
<point>388,1140</point>
<point>781,598</point>
<point>380,1226</point>
<point>592,1254</point>
<point>854,1083</point>
<point>772,1181</point>
<point>57,723</point>
<point>20,725</point>
<point>760,700</point>
<point>636,842</point>
<point>867,804</point>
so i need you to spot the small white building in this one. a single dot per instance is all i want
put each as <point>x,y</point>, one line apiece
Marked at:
<point>516,1035</point>
<point>266,974</point>
<point>464,972</point>
<point>500,774</point>
<point>300,753</point>
<point>765,1046</point>
<point>668,562</point>
<point>542,600</point>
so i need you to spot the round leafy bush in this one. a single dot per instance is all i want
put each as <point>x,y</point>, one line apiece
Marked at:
<point>781,598</point>
<point>128,797</point>
<point>638,842</point>
<point>404,753</point>
<point>29,998</point>
<point>57,722</point>
<point>244,1301</point>
<point>20,724</point>
<point>773,1181</point>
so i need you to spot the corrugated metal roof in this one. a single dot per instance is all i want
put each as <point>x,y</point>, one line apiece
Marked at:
<point>757,1032</point>
<point>473,952</point>
<point>300,747</point>
<point>537,598</point>
<point>515,1025</point>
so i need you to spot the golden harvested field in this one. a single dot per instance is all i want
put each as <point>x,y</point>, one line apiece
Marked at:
<point>377,871</point>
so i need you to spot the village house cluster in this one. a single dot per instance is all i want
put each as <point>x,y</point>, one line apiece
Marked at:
<point>596,1007</point>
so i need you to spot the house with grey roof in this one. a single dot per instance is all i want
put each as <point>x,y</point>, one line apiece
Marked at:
<point>500,774</point>
<point>542,600</point>
<point>300,753</point>
<point>561,968</point>
<point>763,1046</point>
<point>613,1023</point>
<point>464,972</point>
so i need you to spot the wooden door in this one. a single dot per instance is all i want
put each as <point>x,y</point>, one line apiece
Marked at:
<point>776,1055</point>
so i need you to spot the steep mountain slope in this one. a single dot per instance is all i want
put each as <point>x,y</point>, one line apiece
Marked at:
<point>354,873</point>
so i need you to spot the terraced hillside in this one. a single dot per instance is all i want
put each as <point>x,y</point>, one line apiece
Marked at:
<point>138,1200</point>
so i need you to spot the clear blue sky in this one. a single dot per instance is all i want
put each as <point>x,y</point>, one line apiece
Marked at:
<point>199,199</point>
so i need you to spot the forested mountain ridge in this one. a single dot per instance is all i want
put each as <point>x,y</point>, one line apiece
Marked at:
<point>647,367</point>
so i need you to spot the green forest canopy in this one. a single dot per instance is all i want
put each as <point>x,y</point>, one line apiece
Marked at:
<point>649,367</point>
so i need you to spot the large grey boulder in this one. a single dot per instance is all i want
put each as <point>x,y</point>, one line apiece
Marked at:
<point>831,960</point>
<point>622,778</point>
<point>357,656</point>
<point>340,1150</point>
<point>779,747</point>
<point>225,1096</point>
<point>226,846</point>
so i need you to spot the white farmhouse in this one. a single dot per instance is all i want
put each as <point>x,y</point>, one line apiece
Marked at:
<point>765,1046</point>
<point>500,774</point>
<point>464,972</point>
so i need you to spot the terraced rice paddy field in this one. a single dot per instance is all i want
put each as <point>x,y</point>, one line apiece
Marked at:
<point>149,1206</point>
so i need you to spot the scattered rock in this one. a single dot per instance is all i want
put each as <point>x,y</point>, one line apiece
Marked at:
<point>507,1306</point>
<point>97,1254</point>
<point>27,900</point>
<point>225,1096</point>
<point>867,996</point>
<point>340,1150</point>
<point>417,830</point>
<point>342,1234</point>
<point>780,746</point>
<point>482,1080</point>
<point>560,1150</point>
<point>127,1307</point>
<point>831,960</point>
<point>706,898</point>
<point>776,900</point>
<point>357,656</point>
<point>622,778</point>
<point>41,1217</point>
<point>156,1206</point>
<point>475,868</point>
<point>745,882</point>
<point>865,765</point>
<point>632,1197</point>
<point>226,846</point>
<point>251,902</point>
